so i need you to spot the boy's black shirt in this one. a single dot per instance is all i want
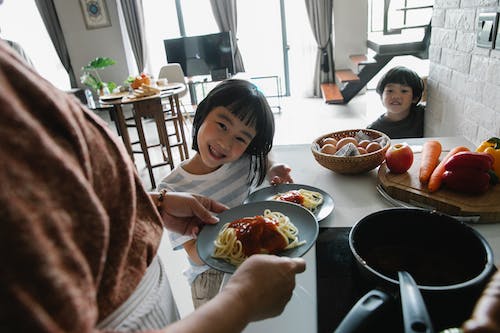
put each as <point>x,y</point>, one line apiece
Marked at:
<point>409,127</point>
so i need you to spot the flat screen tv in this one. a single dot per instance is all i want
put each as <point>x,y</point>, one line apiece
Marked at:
<point>200,55</point>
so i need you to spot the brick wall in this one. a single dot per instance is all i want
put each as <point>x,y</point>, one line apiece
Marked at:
<point>464,80</point>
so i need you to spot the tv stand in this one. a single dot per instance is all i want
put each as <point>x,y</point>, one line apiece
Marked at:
<point>270,86</point>
<point>203,82</point>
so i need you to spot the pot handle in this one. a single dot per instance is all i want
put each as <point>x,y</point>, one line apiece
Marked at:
<point>367,307</point>
<point>415,316</point>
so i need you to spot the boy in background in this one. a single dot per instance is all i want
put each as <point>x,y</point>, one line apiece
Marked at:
<point>400,90</point>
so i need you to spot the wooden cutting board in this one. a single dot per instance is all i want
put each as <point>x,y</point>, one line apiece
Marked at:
<point>407,188</point>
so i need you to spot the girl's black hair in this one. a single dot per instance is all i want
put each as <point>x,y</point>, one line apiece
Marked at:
<point>245,101</point>
<point>403,75</point>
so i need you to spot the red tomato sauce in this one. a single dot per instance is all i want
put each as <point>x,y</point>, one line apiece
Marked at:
<point>292,196</point>
<point>258,235</point>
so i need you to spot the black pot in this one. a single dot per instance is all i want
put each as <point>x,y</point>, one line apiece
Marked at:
<point>450,262</point>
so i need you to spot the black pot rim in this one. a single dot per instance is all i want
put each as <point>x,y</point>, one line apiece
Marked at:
<point>480,278</point>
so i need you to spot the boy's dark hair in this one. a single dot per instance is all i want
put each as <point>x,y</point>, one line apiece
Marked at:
<point>403,75</point>
<point>245,101</point>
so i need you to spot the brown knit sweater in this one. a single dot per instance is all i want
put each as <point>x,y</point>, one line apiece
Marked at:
<point>77,228</point>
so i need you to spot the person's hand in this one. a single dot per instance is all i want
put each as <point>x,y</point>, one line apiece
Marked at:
<point>280,174</point>
<point>185,213</point>
<point>486,315</point>
<point>264,283</point>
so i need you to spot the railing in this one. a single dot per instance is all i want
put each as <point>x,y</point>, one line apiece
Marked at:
<point>399,15</point>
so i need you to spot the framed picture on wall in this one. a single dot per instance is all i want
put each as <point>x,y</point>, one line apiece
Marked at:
<point>95,13</point>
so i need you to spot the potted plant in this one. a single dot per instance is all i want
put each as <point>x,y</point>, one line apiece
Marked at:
<point>92,79</point>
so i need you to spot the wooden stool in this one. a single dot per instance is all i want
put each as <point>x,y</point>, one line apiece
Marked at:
<point>152,108</point>
<point>174,115</point>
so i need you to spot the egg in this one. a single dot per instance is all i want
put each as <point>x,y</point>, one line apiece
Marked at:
<point>328,149</point>
<point>362,150</point>
<point>342,142</point>
<point>364,143</point>
<point>373,146</point>
<point>329,140</point>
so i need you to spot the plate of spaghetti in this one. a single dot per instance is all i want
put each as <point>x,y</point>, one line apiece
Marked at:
<point>317,201</point>
<point>269,227</point>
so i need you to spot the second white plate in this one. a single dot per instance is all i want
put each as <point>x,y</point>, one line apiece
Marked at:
<point>267,194</point>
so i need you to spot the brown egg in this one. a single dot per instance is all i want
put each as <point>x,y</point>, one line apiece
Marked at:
<point>342,142</point>
<point>362,150</point>
<point>328,149</point>
<point>364,143</point>
<point>329,140</point>
<point>373,146</point>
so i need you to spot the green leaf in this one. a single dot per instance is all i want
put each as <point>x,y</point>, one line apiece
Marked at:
<point>111,86</point>
<point>99,63</point>
<point>495,141</point>
<point>130,79</point>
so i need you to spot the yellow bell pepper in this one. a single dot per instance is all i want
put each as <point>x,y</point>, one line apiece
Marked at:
<point>492,147</point>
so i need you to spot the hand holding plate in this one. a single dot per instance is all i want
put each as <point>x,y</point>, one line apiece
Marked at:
<point>265,283</point>
<point>185,213</point>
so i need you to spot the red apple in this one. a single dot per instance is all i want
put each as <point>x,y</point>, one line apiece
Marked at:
<point>399,158</point>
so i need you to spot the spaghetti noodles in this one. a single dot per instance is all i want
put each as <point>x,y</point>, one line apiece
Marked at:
<point>308,199</point>
<point>268,233</point>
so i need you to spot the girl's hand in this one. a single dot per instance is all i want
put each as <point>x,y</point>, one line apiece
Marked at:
<point>280,174</point>
<point>185,213</point>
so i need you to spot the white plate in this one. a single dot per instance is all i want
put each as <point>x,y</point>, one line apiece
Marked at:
<point>303,219</point>
<point>113,96</point>
<point>267,193</point>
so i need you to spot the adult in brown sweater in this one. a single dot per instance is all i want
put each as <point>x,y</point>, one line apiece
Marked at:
<point>78,230</point>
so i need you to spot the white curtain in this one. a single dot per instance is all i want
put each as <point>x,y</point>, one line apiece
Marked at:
<point>320,14</point>
<point>133,15</point>
<point>225,14</point>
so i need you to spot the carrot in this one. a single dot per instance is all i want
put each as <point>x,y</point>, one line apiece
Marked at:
<point>429,160</point>
<point>437,175</point>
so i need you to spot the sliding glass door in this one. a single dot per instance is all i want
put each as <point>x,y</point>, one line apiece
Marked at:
<point>260,39</point>
<point>270,37</point>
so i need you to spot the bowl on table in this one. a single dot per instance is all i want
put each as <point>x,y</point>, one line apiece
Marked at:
<point>351,164</point>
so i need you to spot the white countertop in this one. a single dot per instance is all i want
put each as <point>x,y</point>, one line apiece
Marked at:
<point>355,196</point>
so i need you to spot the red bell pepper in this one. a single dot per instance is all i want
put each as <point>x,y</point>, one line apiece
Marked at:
<point>468,172</point>
<point>467,180</point>
<point>469,159</point>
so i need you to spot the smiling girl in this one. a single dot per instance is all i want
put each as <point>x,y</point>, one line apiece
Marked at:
<point>400,90</point>
<point>233,131</point>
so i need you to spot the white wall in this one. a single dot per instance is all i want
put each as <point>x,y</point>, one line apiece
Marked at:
<point>464,80</point>
<point>85,45</point>
<point>350,29</point>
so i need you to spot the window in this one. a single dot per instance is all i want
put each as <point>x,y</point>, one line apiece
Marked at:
<point>198,17</point>
<point>260,36</point>
<point>400,14</point>
<point>161,23</point>
<point>35,40</point>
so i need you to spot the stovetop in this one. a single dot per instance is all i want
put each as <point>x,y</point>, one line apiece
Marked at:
<point>340,285</point>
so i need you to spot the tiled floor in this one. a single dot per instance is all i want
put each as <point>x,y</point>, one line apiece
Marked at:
<point>300,121</point>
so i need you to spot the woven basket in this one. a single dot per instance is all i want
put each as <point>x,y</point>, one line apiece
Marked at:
<point>350,164</point>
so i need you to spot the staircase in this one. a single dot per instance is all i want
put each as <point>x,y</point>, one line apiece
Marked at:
<point>349,83</point>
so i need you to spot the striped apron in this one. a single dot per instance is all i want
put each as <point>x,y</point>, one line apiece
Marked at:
<point>151,305</point>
